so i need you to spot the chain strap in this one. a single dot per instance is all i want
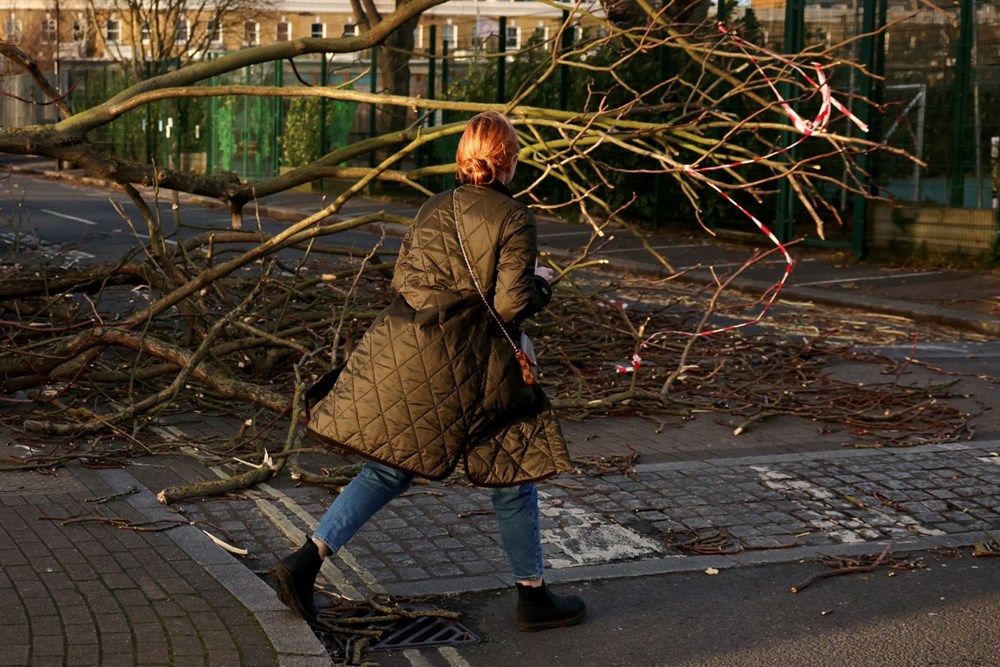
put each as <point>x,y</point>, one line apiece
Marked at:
<point>527,375</point>
<point>475,281</point>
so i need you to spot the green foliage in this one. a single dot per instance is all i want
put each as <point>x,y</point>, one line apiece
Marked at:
<point>301,141</point>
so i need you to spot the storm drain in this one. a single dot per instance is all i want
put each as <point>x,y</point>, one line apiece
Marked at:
<point>424,631</point>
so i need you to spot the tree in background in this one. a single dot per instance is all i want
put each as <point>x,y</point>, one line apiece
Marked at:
<point>149,37</point>
<point>686,103</point>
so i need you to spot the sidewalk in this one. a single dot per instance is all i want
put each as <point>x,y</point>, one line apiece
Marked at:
<point>92,593</point>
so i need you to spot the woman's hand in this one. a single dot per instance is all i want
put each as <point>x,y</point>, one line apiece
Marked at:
<point>545,273</point>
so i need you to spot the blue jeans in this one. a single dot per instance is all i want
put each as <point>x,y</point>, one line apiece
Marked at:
<point>516,508</point>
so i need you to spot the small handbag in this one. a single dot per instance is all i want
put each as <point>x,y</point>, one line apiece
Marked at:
<point>524,362</point>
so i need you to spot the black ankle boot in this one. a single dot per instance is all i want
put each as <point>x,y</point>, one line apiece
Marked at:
<point>295,578</point>
<point>538,609</point>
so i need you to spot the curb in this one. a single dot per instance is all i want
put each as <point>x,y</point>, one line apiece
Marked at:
<point>295,644</point>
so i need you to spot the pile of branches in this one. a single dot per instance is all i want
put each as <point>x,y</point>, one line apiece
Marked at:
<point>603,355</point>
<point>244,336</point>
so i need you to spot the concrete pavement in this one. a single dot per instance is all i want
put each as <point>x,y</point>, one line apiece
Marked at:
<point>87,590</point>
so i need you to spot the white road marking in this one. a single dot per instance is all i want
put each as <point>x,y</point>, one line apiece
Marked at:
<point>168,241</point>
<point>94,224</point>
<point>416,658</point>
<point>835,281</point>
<point>344,553</point>
<point>70,217</point>
<point>329,571</point>
<point>584,539</point>
<point>837,525</point>
<point>453,658</point>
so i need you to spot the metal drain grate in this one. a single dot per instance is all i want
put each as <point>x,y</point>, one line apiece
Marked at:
<point>424,631</point>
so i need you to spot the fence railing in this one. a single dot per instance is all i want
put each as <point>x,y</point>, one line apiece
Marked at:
<point>937,82</point>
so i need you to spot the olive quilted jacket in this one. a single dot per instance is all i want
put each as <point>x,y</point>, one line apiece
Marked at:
<point>434,381</point>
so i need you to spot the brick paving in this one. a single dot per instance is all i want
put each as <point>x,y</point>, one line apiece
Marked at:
<point>88,593</point>
<point>442,538</point>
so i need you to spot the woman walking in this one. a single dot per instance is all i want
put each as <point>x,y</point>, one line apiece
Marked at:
<point>436,381</point>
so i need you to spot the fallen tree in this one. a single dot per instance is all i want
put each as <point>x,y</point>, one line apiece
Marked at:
<point>240,320</point>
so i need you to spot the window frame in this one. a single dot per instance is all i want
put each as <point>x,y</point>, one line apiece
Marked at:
<point>453,42</point>
<point>182,30</point>
<point>251,33</point>
<point>213,31</point>
<point>113,30</point>
<point>516,31</point>
<point>50,30</point>
<point>283,22</point>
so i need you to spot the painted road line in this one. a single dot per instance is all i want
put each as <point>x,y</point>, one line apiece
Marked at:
<point>70,217</point>
<point>146,236</point>
<point>329,571</point>
<point>582,538</point>
<point>416,658</point>
<point>837,281</point>
<point>344,554</point>
<point>453,658</point>
<point>847,529</point>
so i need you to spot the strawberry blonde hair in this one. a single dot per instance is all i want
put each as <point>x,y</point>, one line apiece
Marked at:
<point>487,147</point>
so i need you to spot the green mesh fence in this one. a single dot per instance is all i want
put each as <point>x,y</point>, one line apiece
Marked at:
<point>252,136</point>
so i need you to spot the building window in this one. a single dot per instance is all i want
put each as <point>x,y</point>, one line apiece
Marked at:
<point>145,33</point>
<point>540,35</point>
<point>113,30</point>
<point>213,28</point>
<point>512,40</point>
<point>79,30</point>
<point>183,31</point>
<point>284,31</point>
<point>317,29</point>
<point>251,33</point>
<point>49,29</point>
<point>350,30</point>
<point>449,36</point>
<point>12,29</point>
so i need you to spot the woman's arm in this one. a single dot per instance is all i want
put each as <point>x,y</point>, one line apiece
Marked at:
<point>519,292</point>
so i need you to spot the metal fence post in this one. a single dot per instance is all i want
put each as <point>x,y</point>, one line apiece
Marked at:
<point>445,81</point>
<point>276,119</point>
<point>795,13</point>
<point>502,61</point>
<point>211,159</point>
<point>960,98</point>
<point>659,180</point>
<point>567,43</point>
<point>866,57</point>
<point>432,68</point>
<point>373,73</point>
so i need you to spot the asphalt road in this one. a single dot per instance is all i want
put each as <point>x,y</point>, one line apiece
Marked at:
<point>942,615</point>
<point>81,224</point>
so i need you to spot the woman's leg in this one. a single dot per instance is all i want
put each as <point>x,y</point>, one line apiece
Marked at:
<point>295,574</point>
<point>365,495</point>
<point>520,533</point>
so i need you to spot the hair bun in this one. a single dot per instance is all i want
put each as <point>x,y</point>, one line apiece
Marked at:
<point>487,147</point>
